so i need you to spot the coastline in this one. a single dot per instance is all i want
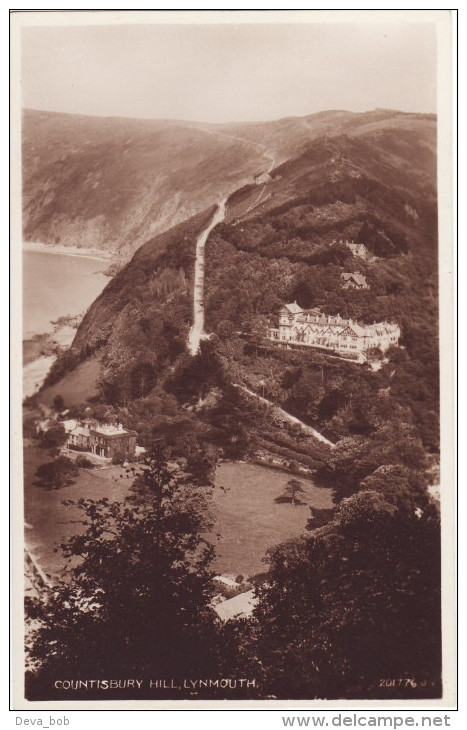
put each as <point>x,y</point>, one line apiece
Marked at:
<point>34,374</point>
<point>88,253</point>
<point>39,354</point>
<point>47,343</point>
<point>43,341</point>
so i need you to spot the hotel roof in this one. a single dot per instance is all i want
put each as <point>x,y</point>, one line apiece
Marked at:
<point>293,308</point>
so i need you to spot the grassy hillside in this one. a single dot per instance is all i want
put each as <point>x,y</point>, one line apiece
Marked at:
<point>289,136</point>
<point>114,183</point>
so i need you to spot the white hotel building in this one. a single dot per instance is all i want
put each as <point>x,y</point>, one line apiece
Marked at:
<point>346,338</point>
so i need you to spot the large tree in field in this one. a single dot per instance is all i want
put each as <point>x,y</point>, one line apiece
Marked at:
<point>354,603</point>
<point>133,600</point>
<point>292,493</point>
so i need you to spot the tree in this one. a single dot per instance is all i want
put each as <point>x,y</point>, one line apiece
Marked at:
<point>257,329</point>
<point>357,457</point>
<point>375,353</point>
<point>54,438</point>
<point>305,393</point>
<point>143,378</point>
<point>293,490</point>
<point>201,464</point>
<point>58,403</point>
<point>236,418</point>
<point>226,329</point>
<point>83,462</point>
<point>56,474</point>
<point>352,603</point>
<point>196,376</point>
<point>134,599</point>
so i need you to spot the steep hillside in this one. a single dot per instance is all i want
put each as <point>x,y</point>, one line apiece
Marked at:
<point>370,178</point>
<point>139,324</point>
<point>283,240</point>
<point>346,169</point>
<point>114,183</point>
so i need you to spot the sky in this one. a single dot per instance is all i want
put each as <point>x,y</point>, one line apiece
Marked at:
<point>229,72</point>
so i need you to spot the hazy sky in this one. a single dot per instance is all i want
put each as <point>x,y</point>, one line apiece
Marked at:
<point>221,73</point>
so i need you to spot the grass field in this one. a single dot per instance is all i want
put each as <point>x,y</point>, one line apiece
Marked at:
<point>248,521</point>
<point>76,386</point>
<point>47,519</point>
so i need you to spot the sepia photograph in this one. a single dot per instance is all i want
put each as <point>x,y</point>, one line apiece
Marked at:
<point>231,232</point>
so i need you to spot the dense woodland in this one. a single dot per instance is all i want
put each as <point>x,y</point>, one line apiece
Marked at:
<point>273,259</point>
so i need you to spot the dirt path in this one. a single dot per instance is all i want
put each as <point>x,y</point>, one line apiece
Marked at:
<point>260,197</point>
<point>308,429</point>
<point>197,332</point>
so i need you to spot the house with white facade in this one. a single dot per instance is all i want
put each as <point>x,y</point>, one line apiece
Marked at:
<point>78,438</point>
<point>106,440</point>
<point>343,337</point>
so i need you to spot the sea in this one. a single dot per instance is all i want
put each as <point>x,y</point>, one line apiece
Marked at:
<point>56,284</point>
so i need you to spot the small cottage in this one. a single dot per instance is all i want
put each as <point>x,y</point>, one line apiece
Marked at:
<point>354,281</point>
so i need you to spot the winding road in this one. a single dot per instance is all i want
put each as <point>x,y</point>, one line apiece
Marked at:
<point>197,332</point>
<point>260,197</point>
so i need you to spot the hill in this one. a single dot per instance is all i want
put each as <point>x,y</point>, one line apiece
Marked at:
<point>113,183</point>
<point>139,324</point>
<point>367,568</point>
<point>284,241</point>
<point>364,177</point>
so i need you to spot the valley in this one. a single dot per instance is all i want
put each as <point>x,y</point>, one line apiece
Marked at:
<point>112,184</point>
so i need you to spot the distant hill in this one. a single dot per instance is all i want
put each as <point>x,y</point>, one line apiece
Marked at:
<point>384,175</point>
<point>113,183</point>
